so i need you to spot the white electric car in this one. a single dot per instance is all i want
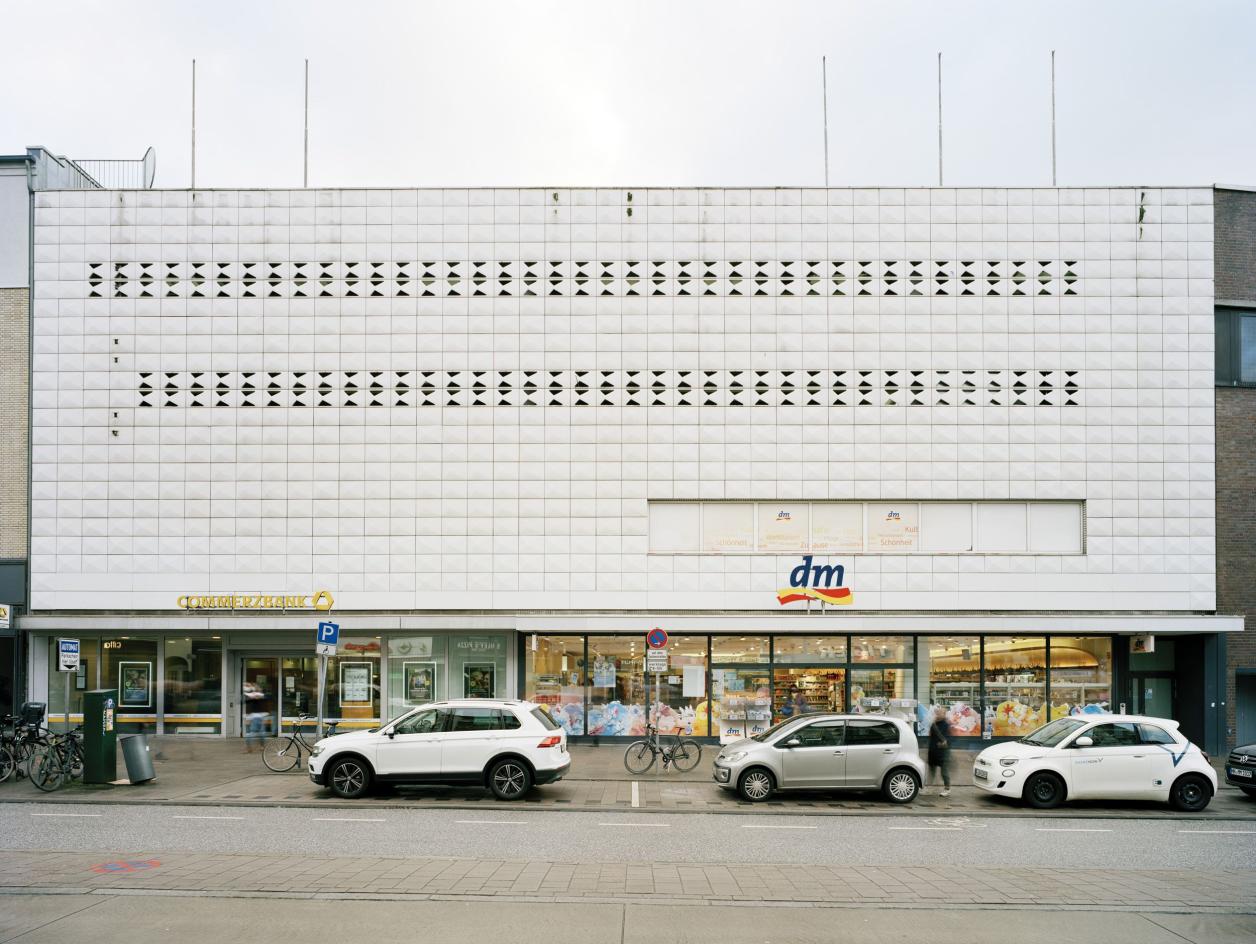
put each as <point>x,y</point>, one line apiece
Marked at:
<point>1099,757</point>
<point>507,746</point>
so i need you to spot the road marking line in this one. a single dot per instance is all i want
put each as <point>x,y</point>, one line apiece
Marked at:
<point>636,794</point>
<point>345,819</point>
<point>1061,829</point>
<point>773,826</point>
<point>67,814</point>
<point>941,829</point>
<point>207,817</point>
<point>1221,832</point>
<point>494,822</point>
<point>650,825</point>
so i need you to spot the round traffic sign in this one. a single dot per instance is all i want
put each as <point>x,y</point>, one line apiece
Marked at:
<point>656,638</point>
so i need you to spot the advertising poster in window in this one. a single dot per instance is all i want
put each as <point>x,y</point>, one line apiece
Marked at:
<point>135,684</point>
<point>727,527</point>
<point>782,527</point>
<point>893,527</point>
<point>837,527</point>
<point>355,683</point>
<point>420,682</point>
<point>479,681</point>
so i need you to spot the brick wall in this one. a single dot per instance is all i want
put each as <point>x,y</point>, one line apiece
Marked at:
<point>1236,523</point>
<point>14,386</point>
<point>1234,252</point>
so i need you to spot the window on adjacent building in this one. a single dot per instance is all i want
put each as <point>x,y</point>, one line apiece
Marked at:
<point>1235,347</point>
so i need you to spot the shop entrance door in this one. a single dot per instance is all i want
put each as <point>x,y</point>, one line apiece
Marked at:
<point>1152,695</point>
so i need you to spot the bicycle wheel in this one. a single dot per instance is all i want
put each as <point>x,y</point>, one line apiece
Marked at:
<point>686,755</point>
<point>7,764</point>
<point>639,757</point>
<point>281,754</point>
<point>47,772</point>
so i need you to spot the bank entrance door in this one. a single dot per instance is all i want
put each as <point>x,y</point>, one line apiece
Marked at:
<point>275,691</point>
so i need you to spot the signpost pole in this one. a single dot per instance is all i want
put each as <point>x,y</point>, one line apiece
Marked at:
<point>322,686</point>
<point>658,687</point>
<point>67,700</point>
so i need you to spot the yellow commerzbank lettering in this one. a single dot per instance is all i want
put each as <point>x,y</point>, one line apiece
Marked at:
<point>320,600</point>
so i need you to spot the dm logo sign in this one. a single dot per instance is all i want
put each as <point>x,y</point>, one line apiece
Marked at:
<point>821,582</point>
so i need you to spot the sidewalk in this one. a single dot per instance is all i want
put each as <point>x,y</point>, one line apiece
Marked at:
<point>194,772</point>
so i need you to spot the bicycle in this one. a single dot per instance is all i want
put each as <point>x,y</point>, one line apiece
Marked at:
<point>20,738</point>
<point>683,754</point>
<point>283,753</point>
<point>60,758</point>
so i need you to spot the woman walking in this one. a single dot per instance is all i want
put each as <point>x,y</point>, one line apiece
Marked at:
<point>940,749</point>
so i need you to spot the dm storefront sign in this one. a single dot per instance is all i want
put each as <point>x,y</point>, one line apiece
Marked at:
<point>811,581</point>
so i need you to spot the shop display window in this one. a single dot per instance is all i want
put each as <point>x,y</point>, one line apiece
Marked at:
<point>477,665</point>
<point>783,527</point>
<point>798,690</point>
<point>352,690</point>
<point>130,665</point>
<point>555,677</point>
<point>679,704</point>
<point>884,691</point>
<point>193,686</point>
<point>808,649</point>
<point>1081,675</point>
<point>893,527</point>
<point>741,702</point>
<point>740,649</point>
<point>616,667</point>
<point>1015,681</point>
<point>950,678</point>
<point>884,649</point>
<point>416,672</point>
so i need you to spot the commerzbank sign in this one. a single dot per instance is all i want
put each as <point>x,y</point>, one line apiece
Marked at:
<point>319,600</point>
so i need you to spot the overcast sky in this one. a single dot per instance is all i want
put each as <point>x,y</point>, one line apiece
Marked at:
<point>641,93</point>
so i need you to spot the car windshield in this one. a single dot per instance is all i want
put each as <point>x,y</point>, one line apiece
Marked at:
<point>1049,735</point>
<point>776,728</point>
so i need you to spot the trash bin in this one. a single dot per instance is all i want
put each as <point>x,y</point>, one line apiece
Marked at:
<point>100,748</point>
<point>138,757</point>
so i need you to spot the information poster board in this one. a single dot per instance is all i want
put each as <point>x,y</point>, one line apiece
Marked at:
<point>355,683</point>
<point>479,680</point>
<point>135,684</point>
<point>420,682</point>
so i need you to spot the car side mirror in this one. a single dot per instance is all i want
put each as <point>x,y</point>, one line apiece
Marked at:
<point>1084,741</point>
<point>392,733</point>
<point>793,742</point>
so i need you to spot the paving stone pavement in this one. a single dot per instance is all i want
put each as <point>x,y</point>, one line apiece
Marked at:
<point>1167,890</point>
<point>193,772</point>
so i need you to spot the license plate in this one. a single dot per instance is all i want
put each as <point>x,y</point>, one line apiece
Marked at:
<point>980,774</point>
<point>1236,772</point>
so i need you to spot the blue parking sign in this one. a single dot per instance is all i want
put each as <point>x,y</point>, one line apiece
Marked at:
<point>326,638</point>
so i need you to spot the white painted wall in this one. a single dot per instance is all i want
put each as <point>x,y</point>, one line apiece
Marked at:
<point>464,506</point>
<point>15,230</point>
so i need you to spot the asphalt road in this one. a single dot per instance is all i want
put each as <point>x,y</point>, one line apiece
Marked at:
<point>506,831</point>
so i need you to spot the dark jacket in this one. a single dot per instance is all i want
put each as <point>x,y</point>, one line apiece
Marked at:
<point>939,742</point>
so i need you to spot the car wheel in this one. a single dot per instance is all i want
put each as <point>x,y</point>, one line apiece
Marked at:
<point>1250,791</point>
<point>1190,793</point>
<point>349,778</point>
<point>1044,791</point>
<point>755,785</point>
<point>900,786</point>
<point>509,779</point>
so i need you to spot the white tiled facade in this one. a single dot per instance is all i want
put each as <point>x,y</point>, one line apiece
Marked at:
<point>463,399</point>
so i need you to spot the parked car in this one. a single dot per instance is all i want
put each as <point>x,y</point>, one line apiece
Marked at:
<point>507,746</point>
<point>1240,769</point>
<point>825,751</point>
<point>1099,757</point>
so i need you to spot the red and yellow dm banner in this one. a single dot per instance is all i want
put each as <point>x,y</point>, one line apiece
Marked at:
<point>821,582</point>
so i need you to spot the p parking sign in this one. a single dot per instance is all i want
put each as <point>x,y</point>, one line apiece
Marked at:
<point>327,638</point>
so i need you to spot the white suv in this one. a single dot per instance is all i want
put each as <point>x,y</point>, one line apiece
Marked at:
<point>506,746</point>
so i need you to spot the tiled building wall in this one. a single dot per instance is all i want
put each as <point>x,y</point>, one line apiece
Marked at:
<point>14,403</point>
<point>464,398</point>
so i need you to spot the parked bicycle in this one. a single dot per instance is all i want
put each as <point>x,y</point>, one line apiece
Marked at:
<point>19,741</point>
<point>283,753</point>
<point>681,753</point>
<point>59,760</point>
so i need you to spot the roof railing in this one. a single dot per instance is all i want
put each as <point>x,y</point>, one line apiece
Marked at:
<point>109,174</point>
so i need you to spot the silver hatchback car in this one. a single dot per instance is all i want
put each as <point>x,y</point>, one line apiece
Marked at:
<point>825,751</point>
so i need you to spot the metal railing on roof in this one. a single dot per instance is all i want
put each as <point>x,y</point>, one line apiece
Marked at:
<point>111,174</point>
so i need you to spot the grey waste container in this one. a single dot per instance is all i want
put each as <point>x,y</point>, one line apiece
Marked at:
<point>139,759</point>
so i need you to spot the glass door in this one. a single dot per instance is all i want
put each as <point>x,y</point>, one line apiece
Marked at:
<point>741,701</point>
<point>259,698</point>
<point>1152,695</point>
<point>300,688</point>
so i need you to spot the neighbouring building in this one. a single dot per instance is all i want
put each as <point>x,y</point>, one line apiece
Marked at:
<point>1236,446</point>
<point>876,449</point>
